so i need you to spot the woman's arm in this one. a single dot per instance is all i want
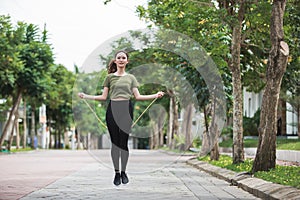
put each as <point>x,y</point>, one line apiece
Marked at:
<point>140,97</point>
<point>101,97</point>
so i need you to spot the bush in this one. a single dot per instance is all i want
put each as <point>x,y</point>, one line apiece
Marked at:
<point>227,131</point>
<point>250,124</point>
<point>197,142</point>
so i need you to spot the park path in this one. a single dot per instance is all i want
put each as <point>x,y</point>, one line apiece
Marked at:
<point>66,174</point>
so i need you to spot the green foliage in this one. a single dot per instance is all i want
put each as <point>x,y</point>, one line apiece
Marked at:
<point>256,46</point>
<point>201,23</point>
<point>26,60</point>
<point>281,143</point>
<point>10,63</point>
<point>250,124</point>
<point>227,131</point>
<point>285,175</point>
<point>197,142</point>
<point>290,80</point>
<point>21,150</point>
<point>288,144</point>
<point>179,141</point>
<point>86,121</point>
<point>27,66</point>
<point>226,162</point>
<point>59,97</point>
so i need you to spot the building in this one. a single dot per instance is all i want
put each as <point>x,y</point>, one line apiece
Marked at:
<point>252,102</point>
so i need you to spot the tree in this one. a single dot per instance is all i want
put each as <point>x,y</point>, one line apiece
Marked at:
<point>236,10</point>
<point>10,65</point>
<point>30,78</point>
<point>265,158</point>
<point>59,102</point>
<point>86,122</point>
<point>201,21</point>
<point>35,79</point>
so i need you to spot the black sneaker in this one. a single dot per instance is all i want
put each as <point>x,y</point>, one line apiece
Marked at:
<point>117,179</point>
<point>124,178</point>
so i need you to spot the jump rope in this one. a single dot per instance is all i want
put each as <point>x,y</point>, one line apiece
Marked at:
<point>134,123</point>
<point>104,125</point>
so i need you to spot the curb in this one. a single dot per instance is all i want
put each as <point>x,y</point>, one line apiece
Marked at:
<point>258,187</point>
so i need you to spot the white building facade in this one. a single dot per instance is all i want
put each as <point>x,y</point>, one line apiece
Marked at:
<point>252,102</point>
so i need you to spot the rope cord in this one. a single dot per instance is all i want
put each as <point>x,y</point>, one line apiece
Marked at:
<point>143,112</point>
<point>103,124</point>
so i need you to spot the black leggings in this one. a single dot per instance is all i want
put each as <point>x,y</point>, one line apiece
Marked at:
<point>119,117</point>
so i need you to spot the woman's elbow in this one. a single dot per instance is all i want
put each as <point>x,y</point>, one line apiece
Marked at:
<point>137,97</point>
<point>104,98</point>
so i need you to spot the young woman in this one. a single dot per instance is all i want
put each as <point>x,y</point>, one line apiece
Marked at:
<point>120,86</point>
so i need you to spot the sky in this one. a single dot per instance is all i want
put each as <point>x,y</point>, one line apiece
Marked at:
<point>76,27</point>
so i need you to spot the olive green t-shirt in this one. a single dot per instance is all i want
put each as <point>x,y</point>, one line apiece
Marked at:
<point>120,86</point>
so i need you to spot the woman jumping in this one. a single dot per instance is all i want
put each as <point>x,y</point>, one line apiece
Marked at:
<point>120,86</point>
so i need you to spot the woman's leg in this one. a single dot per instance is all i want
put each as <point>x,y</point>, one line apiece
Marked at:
<point>122,112</point>
<point>119,120</point>
<point>124,144</point>
<point>124,151</point>
<point>113,130</point>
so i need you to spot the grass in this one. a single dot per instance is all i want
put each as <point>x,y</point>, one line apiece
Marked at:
<point>284,175</point>
<point>282,143</point>
<point>177,151</point>
<point>20,150</point>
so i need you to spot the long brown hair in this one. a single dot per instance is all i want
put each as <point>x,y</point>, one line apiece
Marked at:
<point>112,66</point>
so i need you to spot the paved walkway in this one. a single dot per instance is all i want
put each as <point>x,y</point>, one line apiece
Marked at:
<point>67,175</point>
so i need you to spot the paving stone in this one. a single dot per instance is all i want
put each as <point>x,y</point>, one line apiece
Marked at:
<point>153,175</point>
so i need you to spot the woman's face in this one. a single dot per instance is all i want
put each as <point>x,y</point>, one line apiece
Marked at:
<point>121,60</point>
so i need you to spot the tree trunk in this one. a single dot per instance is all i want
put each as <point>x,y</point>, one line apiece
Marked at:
<point>151,138</point>
<point>215,152</point>
<point>49,119</point>
<point>173,120</point>
<point>283,117</point>
<point>157,123</point>
<point>9,121</point>
<point>205,147</point>
<point>170,125</point>
<point>66,140</point>
<point>17,130</point>
<point>55,139</point>
<point>298,116</point>
<point>187,125</point>
<point>78,140</point>
<point>205,111</point>
<point>32,129</point>
<point>11,136</point>
<point>13,129</point>
<point>24,124</point>
<point>214,133</point>
<point>154,137</point>
<point>265,158</point>
<point>238,145</point>
<point>59,139</point>
<point>160,126</point>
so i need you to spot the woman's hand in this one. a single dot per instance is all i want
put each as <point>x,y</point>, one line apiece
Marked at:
<point>81,95</point>
<point>160,94</point>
